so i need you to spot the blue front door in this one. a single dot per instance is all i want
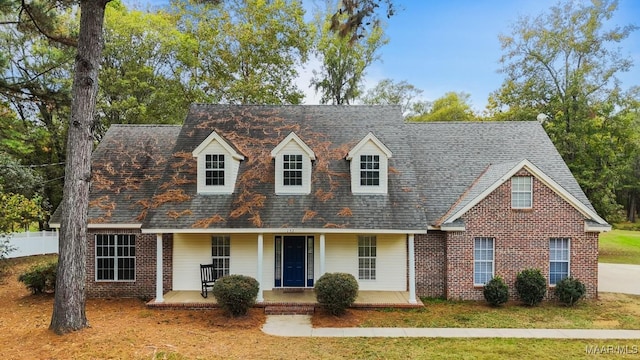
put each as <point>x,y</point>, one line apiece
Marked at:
<point>293,258</point>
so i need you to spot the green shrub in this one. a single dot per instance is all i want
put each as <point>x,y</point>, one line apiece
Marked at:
<point>40,278</point>
<point>5,249</point>
<point>236,293</point>
<point>496,292</point>
<point>570,290</point>
<point>531,286</point>
<point>335,292</point>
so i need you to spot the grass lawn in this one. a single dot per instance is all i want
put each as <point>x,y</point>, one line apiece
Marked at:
<point>620,247</point>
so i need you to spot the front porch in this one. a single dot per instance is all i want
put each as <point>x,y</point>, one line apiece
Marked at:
<point>283,299</point>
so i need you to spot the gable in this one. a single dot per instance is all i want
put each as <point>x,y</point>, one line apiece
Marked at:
<point>369,166</point>
<point>293,166</point>
<point>496,175</point>
<point>217,165</point>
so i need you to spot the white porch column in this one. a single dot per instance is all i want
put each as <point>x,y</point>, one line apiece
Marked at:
<point>159,290</point>
<point>322,255</point>
<point>412,270</point>
<point>259,273</point>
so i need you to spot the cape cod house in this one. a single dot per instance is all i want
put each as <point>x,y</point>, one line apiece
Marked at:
<point>287,193</point>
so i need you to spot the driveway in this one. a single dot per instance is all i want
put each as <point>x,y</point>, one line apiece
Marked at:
<point>619,278</point>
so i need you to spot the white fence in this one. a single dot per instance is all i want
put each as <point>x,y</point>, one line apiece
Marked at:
<point>33,243</point>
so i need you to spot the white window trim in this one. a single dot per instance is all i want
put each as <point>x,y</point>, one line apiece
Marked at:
<point>568,261</point>
<point>374,257</point>
<point>231,164</point>
<point>227,238</point>
<point>369,145</point>
<point>530,192</point>
<point>285,147</point>
<point>492,261</point>
<point>115,258</point>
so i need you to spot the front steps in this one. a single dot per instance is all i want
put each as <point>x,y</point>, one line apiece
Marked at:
<point>292,309</point>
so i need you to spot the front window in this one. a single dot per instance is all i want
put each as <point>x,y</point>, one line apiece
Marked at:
<point>115,257</point>
<point>482,260</point>
<point>369,170</point>
<point>558,259</point>
<point>521,192</point>
<point>292,166</point>
<point>214,170</point>
<point>220,255</point>
<point>367,257</point>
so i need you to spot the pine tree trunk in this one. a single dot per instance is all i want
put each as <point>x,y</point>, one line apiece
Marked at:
<point>70,297</point>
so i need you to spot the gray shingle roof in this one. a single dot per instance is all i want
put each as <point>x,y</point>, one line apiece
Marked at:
<point>148,173</point>
<point>126,168</point>
<point>453,155</point>
<point>330,131</point>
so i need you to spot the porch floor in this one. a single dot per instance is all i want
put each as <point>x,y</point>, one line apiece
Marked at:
<point>365,299</point>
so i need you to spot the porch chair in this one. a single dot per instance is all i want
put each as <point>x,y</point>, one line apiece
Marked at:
<point>208,277</point>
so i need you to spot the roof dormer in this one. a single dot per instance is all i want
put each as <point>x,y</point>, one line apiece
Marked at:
<point>369,166</point>
<point>218,165</point>
<point>293,166</point>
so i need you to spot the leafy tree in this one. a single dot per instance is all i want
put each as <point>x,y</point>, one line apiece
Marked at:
<point>564,64</point>
<point>241,51</point>
<point>389,92</point>
<point>35,67</point>
<point>344,59</point>
<point>451,107</point>
<point>16,178</point>
<point>18,211</point>
<point>136,81</point>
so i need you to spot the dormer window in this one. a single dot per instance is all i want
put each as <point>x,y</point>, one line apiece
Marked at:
<point>369,166</point>
<point>214,170</point>
<point>218,165</point>
<point>293,166</point>
<point>370,170</point>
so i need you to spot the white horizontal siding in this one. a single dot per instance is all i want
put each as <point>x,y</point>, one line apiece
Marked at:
<point>341,255</point>
<point>391,260</point>
<point>189,251</point>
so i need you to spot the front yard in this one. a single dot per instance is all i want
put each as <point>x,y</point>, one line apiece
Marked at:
<point>620,247</point>
<point>126,329</point>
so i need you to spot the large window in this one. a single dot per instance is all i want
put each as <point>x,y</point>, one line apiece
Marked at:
<point>483,257</point>
<point>369,170</point>
<point>115,257</point>
<point>521,192</point>
<point>292,166</point>
<point>558,259</point>
<point>220,255</point>
<point>214,170</point>
<point>367,257</point>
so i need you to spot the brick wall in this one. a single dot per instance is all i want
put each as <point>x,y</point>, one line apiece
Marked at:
<point>521,240</point>
<point>145,284</point>
<point>430,253</point>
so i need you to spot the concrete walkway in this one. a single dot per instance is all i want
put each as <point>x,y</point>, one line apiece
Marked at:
<point>619,278</point>
<point>300,326</point>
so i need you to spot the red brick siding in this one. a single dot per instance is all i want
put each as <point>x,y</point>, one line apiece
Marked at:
<point>521,240</point>
<point>145,284</point>
<point>430,264</point>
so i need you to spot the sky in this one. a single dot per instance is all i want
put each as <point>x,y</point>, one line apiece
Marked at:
<point>452,45</point>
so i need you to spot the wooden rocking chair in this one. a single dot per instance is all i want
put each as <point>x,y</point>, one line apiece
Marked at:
<point>208,277</point>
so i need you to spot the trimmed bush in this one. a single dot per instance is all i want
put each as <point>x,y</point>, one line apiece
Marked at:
<point>236,293</point>
<point>531,286</point>
<point>336,292</point>
<point>496,292</point>
<point>570,290</point>
<point>40,278</point>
